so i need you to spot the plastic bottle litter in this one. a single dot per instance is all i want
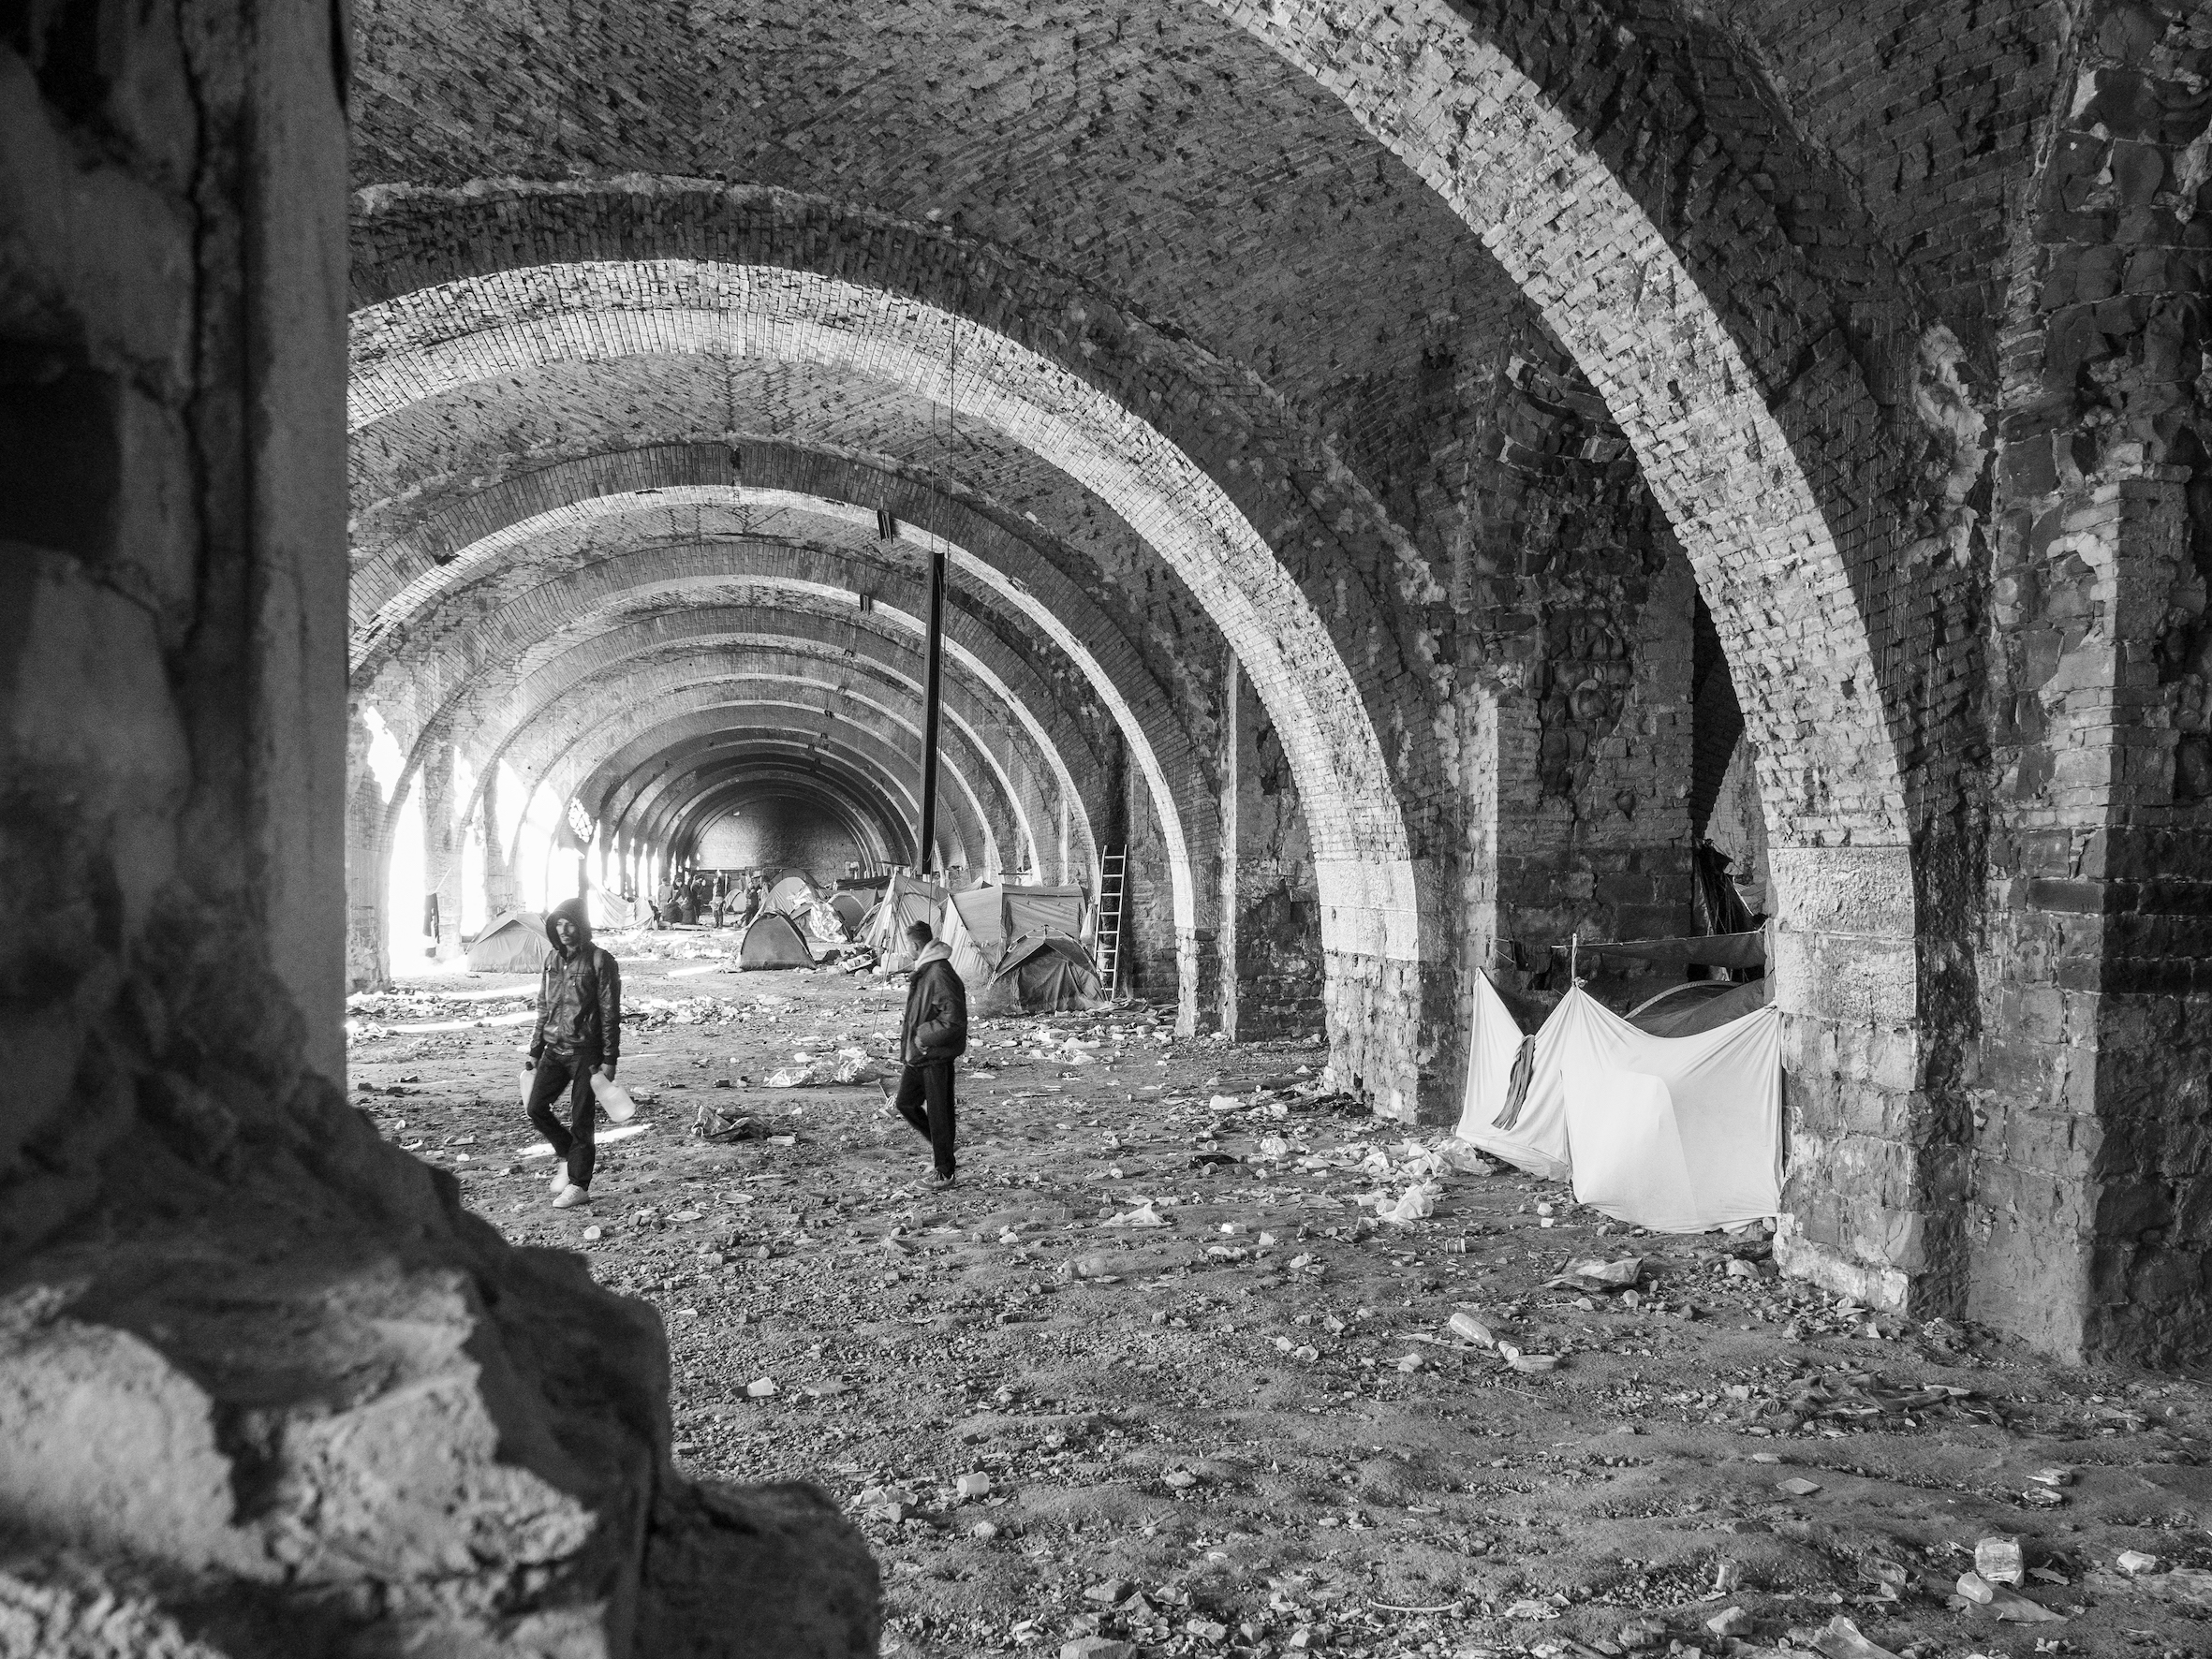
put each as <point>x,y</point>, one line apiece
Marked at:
<point>1999,1561</point>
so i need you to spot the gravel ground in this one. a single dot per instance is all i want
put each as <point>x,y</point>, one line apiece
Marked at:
<point>1251,1427</point>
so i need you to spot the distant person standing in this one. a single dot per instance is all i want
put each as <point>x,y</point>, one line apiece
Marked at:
<point>933,1036</point>
<point>578,1034</point>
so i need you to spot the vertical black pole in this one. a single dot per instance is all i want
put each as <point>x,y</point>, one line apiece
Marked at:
<point>926,846</point>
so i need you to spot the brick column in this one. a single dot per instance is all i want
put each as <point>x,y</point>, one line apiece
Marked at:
<point>366,967</point>
<point>2092,1166</point>
<point>441,847</point>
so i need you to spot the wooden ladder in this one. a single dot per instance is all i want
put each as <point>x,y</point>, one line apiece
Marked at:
<point>1113,872</point>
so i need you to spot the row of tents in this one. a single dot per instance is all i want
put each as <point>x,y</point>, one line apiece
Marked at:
<point>1016,948</point>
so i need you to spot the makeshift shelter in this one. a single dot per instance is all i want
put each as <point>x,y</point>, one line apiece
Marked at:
<point>610,910</point>
<point>974,929</point>
<point>514,943</point>
<point>772,941</point>
<point>1677,1133</point>
<point>1040,910</point>
<point>1047,974</point>
<point>851,909</point>
<point>790,893</point>
<point>1699,1005</point>
<point>905,902</point>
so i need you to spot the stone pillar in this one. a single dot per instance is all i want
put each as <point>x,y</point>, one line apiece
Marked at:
<point>441,847</point>
<point>2091,1169</point>
<point>501,892</point>
<point>366,967</point>
<point>1274,898</point>
<point>1232,903</point>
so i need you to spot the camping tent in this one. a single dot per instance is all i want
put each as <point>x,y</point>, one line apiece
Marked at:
<point>974,929</point>
<point>772,942</point>
<point>851,909</point>
<point>905,902</point>
<point>1677,1133</point>
<point>789,893</point>
<point>514,943</point>
<point>1699,1005</point>
<point>1047,974</point>
<point>1038,910</point>
<point>610,910</point>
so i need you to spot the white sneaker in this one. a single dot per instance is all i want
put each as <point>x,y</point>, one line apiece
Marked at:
<point>560,1177</point>
<point>572,1197</point>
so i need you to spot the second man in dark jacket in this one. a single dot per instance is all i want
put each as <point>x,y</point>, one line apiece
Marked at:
<point>933,1036</point>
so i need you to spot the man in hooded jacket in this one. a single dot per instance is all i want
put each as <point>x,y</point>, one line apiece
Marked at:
<point>578,1034</point>
<point>931,1037</point>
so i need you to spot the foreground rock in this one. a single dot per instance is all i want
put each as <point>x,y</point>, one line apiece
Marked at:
<point>272,1391</point>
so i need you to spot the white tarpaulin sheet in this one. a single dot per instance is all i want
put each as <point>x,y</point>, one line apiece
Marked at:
<point>1673,1134</point>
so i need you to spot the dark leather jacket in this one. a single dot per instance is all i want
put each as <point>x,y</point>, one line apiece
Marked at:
<point>936,1026</point>
<point>579,996</point>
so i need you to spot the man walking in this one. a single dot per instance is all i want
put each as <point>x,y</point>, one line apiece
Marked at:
<point>933,1036</point>
<point>578,1034</point>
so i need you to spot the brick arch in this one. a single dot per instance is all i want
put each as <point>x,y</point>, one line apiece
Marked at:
<point>564,743</point>
<point>475,328</point>
<point>876,741</point>
<point>975,686</point>
<point>680,774</point>
<point>1756,434</point>
<point>712,796</point>
<point>614,664</point>
<point>699,756</point>
<point>416,668</point>
<point>714,799</point>
<point>855,765</point>
<point>729,621</point>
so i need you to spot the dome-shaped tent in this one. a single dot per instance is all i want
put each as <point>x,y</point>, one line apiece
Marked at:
<point>975,933</point>
<point>851,909</point>
<point>789,893</point>
<point>514,943</point>
<point>772,942</point>
<point>1044,910</point>
<point>905,902</point>
<point>1049,973</point>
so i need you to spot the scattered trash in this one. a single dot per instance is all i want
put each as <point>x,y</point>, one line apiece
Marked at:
<point>1998,1560</point>
<point>1975,1588</point>
<point>2133,1562</point>
<point>1143,1215</point>
<point>761,1388</point>
<point>975,1485</point>
<point>1466,1326</point>
<point>1798,1487</point>
<point>1593,1275</point>
<point>1728,1622</point>
<point>1181,1479</point>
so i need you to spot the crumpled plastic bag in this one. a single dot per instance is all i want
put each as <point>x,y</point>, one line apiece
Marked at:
<point>794,1077</point>
<point>1417,1203</point>
<point>1143,1215</point>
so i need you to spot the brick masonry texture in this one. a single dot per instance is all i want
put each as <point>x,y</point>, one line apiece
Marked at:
<point>1370,397</point>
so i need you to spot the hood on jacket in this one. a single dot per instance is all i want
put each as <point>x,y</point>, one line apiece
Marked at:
<point>936,950</point>
<point>576,912</point>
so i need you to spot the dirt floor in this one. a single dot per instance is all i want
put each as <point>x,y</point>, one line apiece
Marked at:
<point>1251,1427</point>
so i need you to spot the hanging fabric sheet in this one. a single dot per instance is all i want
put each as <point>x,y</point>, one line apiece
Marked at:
<point>1673,1134</point>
